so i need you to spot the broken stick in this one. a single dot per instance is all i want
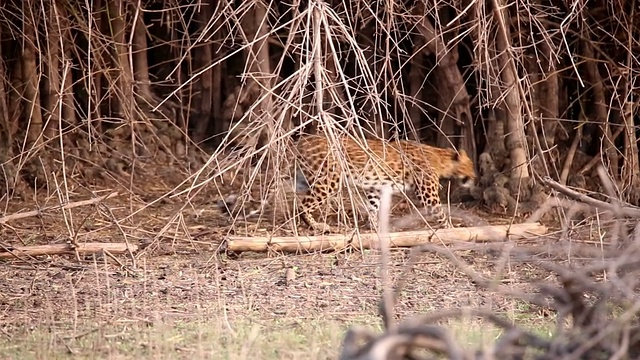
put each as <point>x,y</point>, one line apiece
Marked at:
<point>58,249</point>
<point>627,210</point>
<point>71,205</point>
<point>399,239</point>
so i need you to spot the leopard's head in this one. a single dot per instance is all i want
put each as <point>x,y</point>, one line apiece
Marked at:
<point>461,169</point>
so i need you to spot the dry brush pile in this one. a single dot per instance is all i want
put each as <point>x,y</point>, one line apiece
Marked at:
<point>589,293</point>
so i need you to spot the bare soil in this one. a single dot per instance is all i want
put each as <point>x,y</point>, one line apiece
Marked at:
<point>180,274</point>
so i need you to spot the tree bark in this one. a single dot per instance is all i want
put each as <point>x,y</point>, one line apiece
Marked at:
<point>516,139</point>
<point>202,58</point>
<point>95,77</point>
<point>52,80</point>
<point>140,60</point>
<point>32,111</point>
<point>549,106</point>
<point>368,108</point>
<point>446,137</point>
<point>15,93</point>
<point>256,27</point>
<point>124,100</point>
<point>544,111</point>
<point>416,89</point>
<point>8,127</point>
<point>68,108</point>
<point>609,156</point>
<point>216,81</point>
<point>495,135</point>
<point>20,252</point>
<point>452,92</point>
<point>630,168</point>
<point>301,244</point>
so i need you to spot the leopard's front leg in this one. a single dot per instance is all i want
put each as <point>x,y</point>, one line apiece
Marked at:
<point>317,197</point>
<point>426,190</point>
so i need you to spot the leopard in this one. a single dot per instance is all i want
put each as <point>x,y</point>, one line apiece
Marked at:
<point>405,166</point>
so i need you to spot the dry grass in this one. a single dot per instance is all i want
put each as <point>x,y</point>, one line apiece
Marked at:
<point>177,299</point>
<point>177,306</point>
<point>196,337</point>
<point>206,337</point>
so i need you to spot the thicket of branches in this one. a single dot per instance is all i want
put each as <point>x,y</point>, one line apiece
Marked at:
<point>526,87</point>
<point>100,90</point>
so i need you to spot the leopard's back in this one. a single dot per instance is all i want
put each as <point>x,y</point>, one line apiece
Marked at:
<point>369,164</point>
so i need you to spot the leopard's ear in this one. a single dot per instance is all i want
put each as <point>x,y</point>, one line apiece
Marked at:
<point>459,155</point>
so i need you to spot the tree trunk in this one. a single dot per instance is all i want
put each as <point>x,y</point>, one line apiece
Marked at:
<point>7,130</point>
<point>537,133</point>
<point>549,107</point>
<point>94,81</point>
<point>202,58</point>
<point>368,106</point>
<point>140,60</point>
<point>545,95</point>
<point>335,93</point>
<point>15,94</point>
<point>416,89</point>
<point>516,139</point>
<point>256,27</point>
<point>30,76</point>
<point>68,108</point>
<point>446,137</point>
<point>52,82</point>
<point>495,135</point>
<point>124,102</point>
<point>216,82</point>
<point>630,167</point>
<point>8,173</point>
<point>452,90</point>
<point>58,83</point>
<point>609,156</point>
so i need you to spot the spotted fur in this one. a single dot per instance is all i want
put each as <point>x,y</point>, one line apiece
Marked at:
<point>406,166</point>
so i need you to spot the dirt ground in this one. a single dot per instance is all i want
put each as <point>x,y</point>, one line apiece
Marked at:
<point>180,275</point>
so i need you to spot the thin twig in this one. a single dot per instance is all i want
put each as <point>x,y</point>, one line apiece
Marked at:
<point>40,212</point>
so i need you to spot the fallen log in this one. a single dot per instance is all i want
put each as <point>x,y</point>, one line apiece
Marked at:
<point>58,249</point>
<point>494,233</point>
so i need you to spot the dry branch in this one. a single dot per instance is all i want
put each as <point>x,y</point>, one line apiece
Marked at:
<point>72,205</point>
<point>629,211</point>
<point>58,249</point>
<point>399,239</point>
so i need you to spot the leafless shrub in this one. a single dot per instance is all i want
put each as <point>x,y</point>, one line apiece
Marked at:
<point>594,298</point>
